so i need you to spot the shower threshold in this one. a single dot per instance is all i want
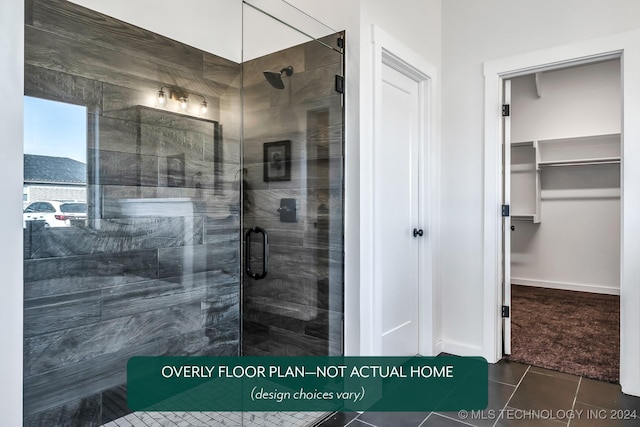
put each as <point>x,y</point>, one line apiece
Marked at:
<point>217,419</point>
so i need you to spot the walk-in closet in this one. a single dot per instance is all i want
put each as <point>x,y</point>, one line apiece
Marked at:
<point>563,152</point>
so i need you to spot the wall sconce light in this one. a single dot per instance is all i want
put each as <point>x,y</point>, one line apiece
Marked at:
<point>183,103</point>
<point>203,106</point>
<point>162,97</point>
<point>182,97</point>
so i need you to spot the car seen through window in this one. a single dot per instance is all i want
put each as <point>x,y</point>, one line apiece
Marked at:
<point>56,213</point>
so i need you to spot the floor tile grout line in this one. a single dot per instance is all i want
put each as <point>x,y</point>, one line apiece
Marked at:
<point>575,398</point>
<point>353,419</point>
<point>554,374</point>
<point>363,422</point>
<point>511,397</point>
<point>503,383</point>
<point>425,420</point>
<point>453,419</point>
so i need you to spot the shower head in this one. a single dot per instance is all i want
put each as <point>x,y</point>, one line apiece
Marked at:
<point>275,79</point>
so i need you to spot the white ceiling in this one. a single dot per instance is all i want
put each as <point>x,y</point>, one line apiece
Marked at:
<point>215,26</point>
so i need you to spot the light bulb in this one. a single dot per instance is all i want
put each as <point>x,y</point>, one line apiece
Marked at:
<point>184,103</point>
<point>162,98</point>
<point>203,107</point>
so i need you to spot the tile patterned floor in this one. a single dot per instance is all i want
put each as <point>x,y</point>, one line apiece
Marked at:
<point>519,396</point>
<point>522,396</point>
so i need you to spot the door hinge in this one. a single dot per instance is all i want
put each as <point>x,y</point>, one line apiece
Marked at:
<point>340,42</point>
<point>339,84</point>
<point>505,210</point>
<point>506,110</point>
<point>505,311</point>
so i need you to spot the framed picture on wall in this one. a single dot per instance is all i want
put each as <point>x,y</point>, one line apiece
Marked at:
<point>277,161</point>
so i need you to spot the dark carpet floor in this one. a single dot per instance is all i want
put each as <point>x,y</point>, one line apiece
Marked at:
<point>567,331</point>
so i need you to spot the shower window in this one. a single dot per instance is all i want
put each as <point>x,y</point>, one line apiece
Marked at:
<point>55,157</point>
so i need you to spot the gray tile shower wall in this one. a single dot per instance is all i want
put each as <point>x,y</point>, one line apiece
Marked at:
<point>155,271</point>
<point>297,309</point>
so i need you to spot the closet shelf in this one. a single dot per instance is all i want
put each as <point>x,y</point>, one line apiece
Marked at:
<point>524,158</point>
<point>528,159</point>
<point>522,144</point>
<point>535,218</point>
<point>580,162</point>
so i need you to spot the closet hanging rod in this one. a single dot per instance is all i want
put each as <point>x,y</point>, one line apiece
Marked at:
<point>583,162</point>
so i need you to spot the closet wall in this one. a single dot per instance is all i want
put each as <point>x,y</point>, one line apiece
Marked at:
<point>576,243</point>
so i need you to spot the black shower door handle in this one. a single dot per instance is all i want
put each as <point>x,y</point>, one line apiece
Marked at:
<point>265,252</point>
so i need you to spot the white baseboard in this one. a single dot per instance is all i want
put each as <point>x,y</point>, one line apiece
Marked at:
<point>596,289</point>
<point>438,348</point>
<point>458,349</point>
<point>631,388</point>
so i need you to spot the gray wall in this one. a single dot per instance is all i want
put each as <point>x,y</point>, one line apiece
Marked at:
<point>156,271</point>
<point>298,308</point>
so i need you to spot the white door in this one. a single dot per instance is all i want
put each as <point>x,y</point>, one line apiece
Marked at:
<point>506,222</point>
<point>396,213</point>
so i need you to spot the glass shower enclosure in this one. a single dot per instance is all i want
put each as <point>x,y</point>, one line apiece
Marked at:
<point>292,186</point>
<point>195,208</point>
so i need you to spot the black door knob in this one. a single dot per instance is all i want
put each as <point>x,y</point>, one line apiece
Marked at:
<point>417,232</point>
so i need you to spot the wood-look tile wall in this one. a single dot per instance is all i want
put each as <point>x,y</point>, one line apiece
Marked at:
<point>297,309</point>
<point>156,271</point>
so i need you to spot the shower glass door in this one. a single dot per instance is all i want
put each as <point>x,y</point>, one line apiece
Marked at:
<point>292,181</point>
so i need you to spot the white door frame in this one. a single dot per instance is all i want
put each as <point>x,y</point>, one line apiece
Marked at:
<point>627,47</point>
<point>389,51</point>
